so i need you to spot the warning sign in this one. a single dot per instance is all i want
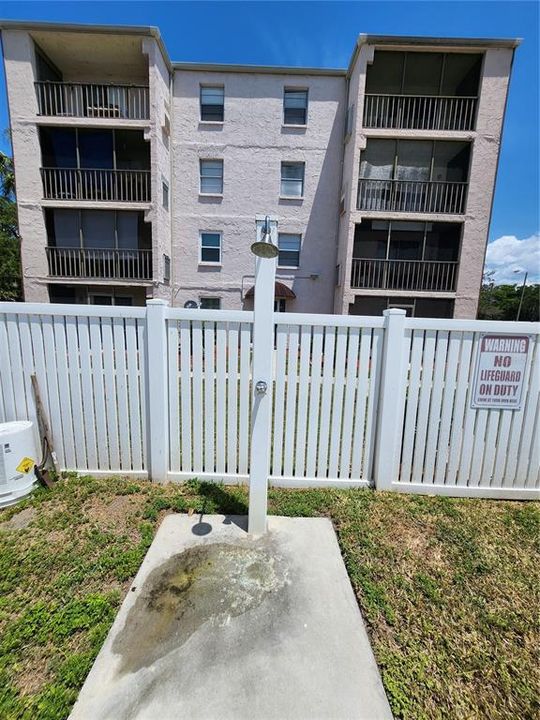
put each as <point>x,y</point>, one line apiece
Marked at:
<point>500,369</point>
<point>25,465</point>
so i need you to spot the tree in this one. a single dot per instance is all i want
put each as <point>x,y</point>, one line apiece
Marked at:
<point>501,302</point>
<point>10,261</point>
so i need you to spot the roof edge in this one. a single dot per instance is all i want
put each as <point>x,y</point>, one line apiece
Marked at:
<point>262,69</point>
<point>427,41</point>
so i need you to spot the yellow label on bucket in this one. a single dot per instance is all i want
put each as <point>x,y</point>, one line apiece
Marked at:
<point>26,465</point>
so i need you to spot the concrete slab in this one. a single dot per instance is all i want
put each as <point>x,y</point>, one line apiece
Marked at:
<point>219,625</point>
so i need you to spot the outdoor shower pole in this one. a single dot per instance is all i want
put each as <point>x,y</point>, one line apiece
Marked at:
<point>265,249</point>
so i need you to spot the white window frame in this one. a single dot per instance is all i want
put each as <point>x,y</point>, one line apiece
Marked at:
<point>203,192</point>
<point>290,89</point>
<point>216,86</point>
<point>291,267</point>
<point>300,163</point>
<point>213,263</point>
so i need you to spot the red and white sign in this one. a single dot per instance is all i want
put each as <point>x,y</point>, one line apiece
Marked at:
<point>500,371</point>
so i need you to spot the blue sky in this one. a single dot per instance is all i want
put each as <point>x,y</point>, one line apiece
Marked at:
<point>323,34</point>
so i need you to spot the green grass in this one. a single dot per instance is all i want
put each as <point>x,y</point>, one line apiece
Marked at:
<point>447,587</point>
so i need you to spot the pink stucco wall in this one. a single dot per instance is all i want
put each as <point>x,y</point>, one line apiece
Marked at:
<point>253,142</point>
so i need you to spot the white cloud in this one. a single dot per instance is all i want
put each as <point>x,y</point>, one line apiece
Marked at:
<point>508,253</point>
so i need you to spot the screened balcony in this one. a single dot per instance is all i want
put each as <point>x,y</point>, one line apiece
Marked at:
<point>405,256</point>
<point>422,91</point>
<point>63,58</point>
<point>98,244</point>
<point>414,176</point>
<point>85,100</point>
<point>95,165</point>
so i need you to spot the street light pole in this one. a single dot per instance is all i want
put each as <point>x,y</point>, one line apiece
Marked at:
<point>522,294</point>
<point>266,251</point>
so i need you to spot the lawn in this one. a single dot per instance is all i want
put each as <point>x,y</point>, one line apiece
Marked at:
<point>448,589</point>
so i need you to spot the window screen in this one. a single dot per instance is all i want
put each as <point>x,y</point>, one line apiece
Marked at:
<point>212,177</point>
<point>289,249</point>
<point>210,303</point>
<point>210,247</point>
<point>295,107</point>
<point>292,179</point>
<point>212,99</point>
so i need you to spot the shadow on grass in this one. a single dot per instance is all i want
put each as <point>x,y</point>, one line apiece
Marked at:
<point>223,500</point>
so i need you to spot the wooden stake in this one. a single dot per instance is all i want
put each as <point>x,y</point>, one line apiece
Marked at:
<point>42,421</point>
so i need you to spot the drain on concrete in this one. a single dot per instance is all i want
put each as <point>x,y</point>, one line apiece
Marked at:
<point>206,583</point>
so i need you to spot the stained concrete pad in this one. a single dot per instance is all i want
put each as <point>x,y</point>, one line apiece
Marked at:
<point>220,625</point>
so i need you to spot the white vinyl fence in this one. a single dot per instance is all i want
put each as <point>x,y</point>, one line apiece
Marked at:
<point>167,393</point>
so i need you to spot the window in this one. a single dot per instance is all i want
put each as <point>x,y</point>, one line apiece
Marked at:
<point>292,179</point>
<point>295,107</point>
<point>289,249</point>
<point>212,177</point>
<point>210,303</point>
<point>210,247</point>
<point>212,103</point>
<point>166,269</point>
<point>165,189</point>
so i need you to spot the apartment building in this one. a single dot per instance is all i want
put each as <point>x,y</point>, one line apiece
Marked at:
<point>138,177</point>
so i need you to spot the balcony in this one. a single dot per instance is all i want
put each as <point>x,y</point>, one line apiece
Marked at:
<point>84,100</point>
<point>419,112</point>
<point>104,264</point>
<point>438,197</point>
<point>405,275</point>
<point>131,186</point>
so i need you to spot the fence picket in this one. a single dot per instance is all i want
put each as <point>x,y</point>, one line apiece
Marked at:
<point>423,405</point>
<point>133,393</point>
<point>73,358</point>
<point>440,368</point>
<point>279,400</point>
<point>197,386</point>
<point>528,439</point>
<point>337,405</point>
<point>303,397</point>
<point>110,393</point>
<point>314,401</point>
<point>232,397</point>
<point>371,418</point>
<point>351,382</point>
<point>185,395</point>
<point>454,345</point>
<point>122,393</point>
<point>221,411</point>
<point>64,392</point>
<point>326,400</point>
<point>291,400</point>
<point>244,402</point>
<point>209,396</point>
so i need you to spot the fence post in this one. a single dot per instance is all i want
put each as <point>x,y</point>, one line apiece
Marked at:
<point>156,390</point>
<point>390,420</point>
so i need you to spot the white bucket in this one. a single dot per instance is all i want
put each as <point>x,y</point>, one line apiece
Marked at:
<point>18,456</point>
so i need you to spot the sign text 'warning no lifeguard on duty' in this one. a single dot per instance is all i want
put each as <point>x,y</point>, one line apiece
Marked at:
<point>500,370</point>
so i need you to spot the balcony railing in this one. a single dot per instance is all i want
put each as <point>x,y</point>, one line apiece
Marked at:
<point>100,185</point>
<point>419,112</point>
<point>407,275</point>
<point>129,102</point>
<point>412,196</point>
<point>92,263</point>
